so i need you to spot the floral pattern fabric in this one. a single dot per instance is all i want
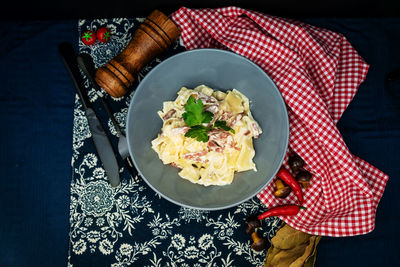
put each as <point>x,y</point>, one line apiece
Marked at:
<point>131,225</point>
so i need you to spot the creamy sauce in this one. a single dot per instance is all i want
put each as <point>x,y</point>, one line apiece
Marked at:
<point>213,162</point>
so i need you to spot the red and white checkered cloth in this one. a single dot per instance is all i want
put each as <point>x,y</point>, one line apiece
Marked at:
<point>318,73</point>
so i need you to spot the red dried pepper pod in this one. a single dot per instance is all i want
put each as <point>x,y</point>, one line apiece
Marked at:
<point>288,178</point>
<point>283,210</point>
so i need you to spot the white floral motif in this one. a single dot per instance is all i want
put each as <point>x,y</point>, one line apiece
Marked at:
<point>100,221</point>
<point>90,160</point>
<point>204,252</point>
<point>93,236</point>
<point>125,249</point>
<point>80,129</point>
<point>97,198</point>
<point>178,241</point>
<point>192,214</point>
<point>123,201</point>
<point>106,247</point>
<point>191,252</point>
<point>120,118</point>
<point>88,221</point>
<point>99,173</point>
<point>239,248</point>
<point>79,247</point>
<point>205,241</point>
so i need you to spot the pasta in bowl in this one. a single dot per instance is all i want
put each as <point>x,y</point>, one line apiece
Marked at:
<point>212,152</point>
<point>222,71</point>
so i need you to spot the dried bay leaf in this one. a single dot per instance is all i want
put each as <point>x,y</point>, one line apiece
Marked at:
<point>288,238</point>
<point>292,248</point>
<point>310,261</point>
<point>285,257</point>
<point>271,253</point>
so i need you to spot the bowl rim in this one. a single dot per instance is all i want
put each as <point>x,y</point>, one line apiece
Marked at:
<point>129,114</point>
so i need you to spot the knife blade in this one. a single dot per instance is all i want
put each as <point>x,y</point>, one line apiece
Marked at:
<point>86,64</point>
<point>100,138</point>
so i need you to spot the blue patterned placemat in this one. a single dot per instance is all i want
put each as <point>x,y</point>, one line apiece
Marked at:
<point>132,225</point>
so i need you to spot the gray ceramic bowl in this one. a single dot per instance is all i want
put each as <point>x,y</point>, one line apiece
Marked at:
<point>221,70</point>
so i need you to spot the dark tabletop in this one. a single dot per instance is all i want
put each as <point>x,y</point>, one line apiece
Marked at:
<point>37,105</point>
<point>77,9</point>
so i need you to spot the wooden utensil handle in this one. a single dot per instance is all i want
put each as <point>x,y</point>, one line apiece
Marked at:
<point>152,37</point>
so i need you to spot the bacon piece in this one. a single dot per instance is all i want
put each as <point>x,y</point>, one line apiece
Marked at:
<point>175,165</point>
<point>256,129</point>
<point>236,148</point>
<point>237,118</point>
<point>169,114</point>
<point>230,118</point>
<point>196,156</point>
<point>213,146</point>
<point>219,140</point>
<point>225,116</point>
<point>207,100</point>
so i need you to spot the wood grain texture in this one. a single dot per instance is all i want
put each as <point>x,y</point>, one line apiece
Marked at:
<point>151,38</point>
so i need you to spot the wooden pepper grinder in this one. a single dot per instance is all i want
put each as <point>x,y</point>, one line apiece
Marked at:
<point>152,37</point>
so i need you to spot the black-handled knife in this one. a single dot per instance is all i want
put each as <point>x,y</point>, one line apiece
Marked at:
<point>85,63</point>
<point>100,138</point>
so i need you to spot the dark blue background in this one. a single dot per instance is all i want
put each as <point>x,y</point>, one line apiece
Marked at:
<point>371,129</point>
<point>36,113</point>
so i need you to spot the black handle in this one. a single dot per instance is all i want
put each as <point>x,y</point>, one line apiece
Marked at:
<point>69,58</point>
<point>86,64</point>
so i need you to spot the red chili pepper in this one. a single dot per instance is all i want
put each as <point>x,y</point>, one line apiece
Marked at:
<point>283,210</point>
<point>291,182</point>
